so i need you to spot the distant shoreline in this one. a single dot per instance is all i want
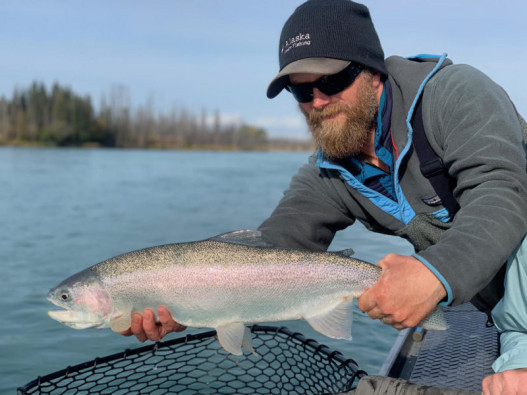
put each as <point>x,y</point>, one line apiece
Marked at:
<point>280,145</point>
<point>39,117</point>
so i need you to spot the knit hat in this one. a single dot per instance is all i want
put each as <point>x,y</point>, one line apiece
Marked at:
<point>324,37</point>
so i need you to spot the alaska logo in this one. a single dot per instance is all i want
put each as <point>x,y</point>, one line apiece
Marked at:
<point>299,40</point>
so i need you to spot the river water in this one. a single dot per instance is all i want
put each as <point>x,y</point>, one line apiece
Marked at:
<point>62,210</point>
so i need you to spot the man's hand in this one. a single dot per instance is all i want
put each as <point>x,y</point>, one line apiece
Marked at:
<point>145,327</point>
<point>508,382</point>
<point>406,292</point>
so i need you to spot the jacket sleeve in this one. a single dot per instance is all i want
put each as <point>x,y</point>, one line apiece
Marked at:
<point>472,124</point>
<point>510,314</point>
<point>309,214</point>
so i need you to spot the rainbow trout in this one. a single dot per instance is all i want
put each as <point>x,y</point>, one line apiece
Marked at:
<point>216,283</point>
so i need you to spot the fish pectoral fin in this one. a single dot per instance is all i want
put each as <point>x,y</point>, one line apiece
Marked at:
<point>233,336</point>
<point>121,322</point>
<point>247,341</point>
<point>336,323</point>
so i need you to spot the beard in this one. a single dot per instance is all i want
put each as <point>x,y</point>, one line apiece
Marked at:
<point>338,138</point>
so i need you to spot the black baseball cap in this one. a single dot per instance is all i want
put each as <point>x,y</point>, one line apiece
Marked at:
<point>324,37</point>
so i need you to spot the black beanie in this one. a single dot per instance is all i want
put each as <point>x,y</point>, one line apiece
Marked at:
<point>323,37</point>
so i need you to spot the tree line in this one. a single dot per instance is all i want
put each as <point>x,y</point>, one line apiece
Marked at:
<point>63,118</point>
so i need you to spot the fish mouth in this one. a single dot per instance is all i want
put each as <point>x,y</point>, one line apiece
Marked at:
<point>64,316</point>
<point>73,319</point>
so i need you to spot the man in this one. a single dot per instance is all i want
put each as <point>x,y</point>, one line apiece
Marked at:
<point>359,108</point>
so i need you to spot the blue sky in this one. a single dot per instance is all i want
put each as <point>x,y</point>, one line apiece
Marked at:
<point>221,54</point>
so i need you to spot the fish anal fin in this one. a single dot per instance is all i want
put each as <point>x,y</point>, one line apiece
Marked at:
<point>336,323</point>
<point>233,336</point>
<point>121,322</point>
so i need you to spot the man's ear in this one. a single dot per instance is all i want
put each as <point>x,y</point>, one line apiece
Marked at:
<point>377,83</point>
<point>376,79</point>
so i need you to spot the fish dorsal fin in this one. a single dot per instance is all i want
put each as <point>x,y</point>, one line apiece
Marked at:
<point>336,323</point>
<point>233,336</point>
<point>349,252</point>
<point>247,237</point>
<point>121,322</point>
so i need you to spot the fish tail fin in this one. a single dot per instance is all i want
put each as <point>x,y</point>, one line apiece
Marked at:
<point>336,323</point>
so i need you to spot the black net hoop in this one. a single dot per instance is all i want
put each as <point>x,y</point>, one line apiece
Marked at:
<point>287,363</point>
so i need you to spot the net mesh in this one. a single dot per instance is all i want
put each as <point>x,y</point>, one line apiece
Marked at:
<point>286,362</point>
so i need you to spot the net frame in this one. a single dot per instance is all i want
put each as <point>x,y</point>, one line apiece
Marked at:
<point>287,362</point>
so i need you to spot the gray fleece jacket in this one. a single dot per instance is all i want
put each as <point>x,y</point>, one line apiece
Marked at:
<point>472,125</point>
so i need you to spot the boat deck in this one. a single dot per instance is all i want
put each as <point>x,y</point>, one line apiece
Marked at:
<point>458,358</point>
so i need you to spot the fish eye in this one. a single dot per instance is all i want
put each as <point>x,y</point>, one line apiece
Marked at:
<point>64,296</point>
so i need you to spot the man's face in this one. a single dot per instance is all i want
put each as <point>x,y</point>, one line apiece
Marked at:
<point>341,123</point>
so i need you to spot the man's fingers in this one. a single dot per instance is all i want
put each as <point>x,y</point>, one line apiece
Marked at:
<point>136,327</point>
<point>127,332</point>
<point>376,313</point>
<point>165,318</point>
<point>167,322</point>
<point>150,326</point>
<point>145,327</point>
<point>366,302</point>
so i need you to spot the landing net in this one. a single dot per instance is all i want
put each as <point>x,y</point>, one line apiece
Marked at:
<point>287,363</point>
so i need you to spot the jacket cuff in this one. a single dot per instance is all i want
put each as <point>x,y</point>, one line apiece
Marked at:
<point>445,283</point>
<point>513,352</point>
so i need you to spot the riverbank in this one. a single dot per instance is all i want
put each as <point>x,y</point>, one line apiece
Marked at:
<point>271,145</point>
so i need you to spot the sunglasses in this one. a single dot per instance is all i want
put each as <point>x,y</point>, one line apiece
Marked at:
<point>327,84</point>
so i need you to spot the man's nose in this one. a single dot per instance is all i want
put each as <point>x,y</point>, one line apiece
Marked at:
<point>320,100</point>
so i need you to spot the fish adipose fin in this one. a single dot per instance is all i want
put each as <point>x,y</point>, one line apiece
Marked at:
<point>121,322</point>
<point>336,323</point>
<point>233,336</point>
<point>348,252</point>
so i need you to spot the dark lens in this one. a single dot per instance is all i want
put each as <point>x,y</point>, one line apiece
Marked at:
<point>303,93</point>
<point>327,84</point>
<point>335,83</point>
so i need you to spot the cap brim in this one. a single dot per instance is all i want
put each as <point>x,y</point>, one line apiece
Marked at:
<point>323,66</point>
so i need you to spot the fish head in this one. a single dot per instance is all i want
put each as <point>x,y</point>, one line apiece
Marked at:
<point>84,300</point>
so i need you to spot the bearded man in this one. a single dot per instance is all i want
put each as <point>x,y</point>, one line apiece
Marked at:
<point>361,110</point>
